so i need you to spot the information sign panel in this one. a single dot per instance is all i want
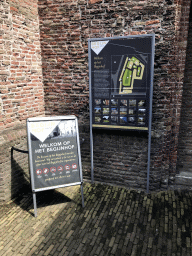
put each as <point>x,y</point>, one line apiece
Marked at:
<point>120,73</point>
<point>54,152</point>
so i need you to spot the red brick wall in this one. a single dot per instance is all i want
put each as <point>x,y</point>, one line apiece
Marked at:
<point>21,73</point>
<point>64,57</point>
<point>184,162</point>
<point>21,86</point>
<point>65,27</point>
<point>60,86</point>
<point>174,87</point>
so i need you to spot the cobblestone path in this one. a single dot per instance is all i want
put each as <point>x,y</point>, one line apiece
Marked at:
<point>115,221</point>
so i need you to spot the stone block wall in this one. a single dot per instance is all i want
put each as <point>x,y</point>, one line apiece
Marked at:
<point>65,27</point>
<point>21,86</point>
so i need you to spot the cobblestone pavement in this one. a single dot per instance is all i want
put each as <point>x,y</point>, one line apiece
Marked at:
<point>115,221</point>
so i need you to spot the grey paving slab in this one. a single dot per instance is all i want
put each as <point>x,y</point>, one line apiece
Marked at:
<point>114,221</point>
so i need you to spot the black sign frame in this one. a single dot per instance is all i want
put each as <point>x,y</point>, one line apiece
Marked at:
<point>121,81</point>
<point>54,153</point>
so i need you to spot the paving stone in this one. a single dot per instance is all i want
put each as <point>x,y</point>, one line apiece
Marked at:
<point>115,221</point>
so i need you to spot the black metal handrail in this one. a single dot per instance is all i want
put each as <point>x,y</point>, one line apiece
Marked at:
<point>20,150</point>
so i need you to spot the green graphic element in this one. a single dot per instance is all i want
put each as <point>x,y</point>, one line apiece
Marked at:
<point>133,70</point>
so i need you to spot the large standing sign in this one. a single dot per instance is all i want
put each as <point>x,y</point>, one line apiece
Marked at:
<point>54,153</point>
<point>121,85</point>
<point>120,71</point>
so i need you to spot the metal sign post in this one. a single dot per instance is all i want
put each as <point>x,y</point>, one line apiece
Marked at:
<point>150,111</point>
<point>35,204</point>
<point>121,85</point>
<point>54,154</point>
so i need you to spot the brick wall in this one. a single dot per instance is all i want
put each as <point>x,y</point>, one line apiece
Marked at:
<point>52,79</point>
<point>64,57</point>
<point>175,79</point>
<point>22,93</point>
<point>65,27</point>
<point>21,73</point>
<point>185,146</point>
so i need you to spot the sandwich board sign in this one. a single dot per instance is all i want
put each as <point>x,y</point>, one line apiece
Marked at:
<point>54,153</point>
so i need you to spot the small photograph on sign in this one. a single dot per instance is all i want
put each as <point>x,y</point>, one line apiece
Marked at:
<point>105,119</point>
<point>114,119</point>
<point>141,120</point>
<point>97,119</point>
<point>141,111</point>
<point>131,119</point>
<point>124,103</point>
<point>132,103</point>
<point>132,111</point>
<point>123,111</point>
<point>123,119</point>
<point>114,102</point>
<point>97,110</point>
<point>114,111</point>
<point>106,102</point>
<point>67,128</point>
<point>106,111</point>
<point>141,103</point>
<point>97,101</point>
<point>47,130</point>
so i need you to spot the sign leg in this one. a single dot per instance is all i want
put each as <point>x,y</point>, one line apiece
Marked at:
<point>150,112</point>
<point>149,161</point>
<point>35,204</point>
<point>91,113</point>
<point>82,196</point>
<point>91,149</point>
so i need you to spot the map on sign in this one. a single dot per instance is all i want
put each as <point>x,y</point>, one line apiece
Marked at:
<point>132,70</point>
<point>128,74</point>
